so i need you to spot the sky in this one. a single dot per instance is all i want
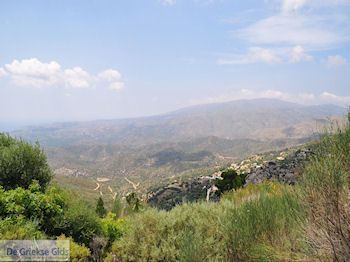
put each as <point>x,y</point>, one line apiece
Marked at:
<point>101,59</point>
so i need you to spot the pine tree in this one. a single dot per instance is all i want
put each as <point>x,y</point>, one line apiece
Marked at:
<point>117,207</point>
<point>100,208</point>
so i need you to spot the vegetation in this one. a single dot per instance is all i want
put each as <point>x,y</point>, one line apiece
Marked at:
<point>21,163</point>
<point>230,180</point>
<point>265,222</point>
<point>214,232</point>
<point>33,208</point>
<point>326,188</point>
<point>100,208</point>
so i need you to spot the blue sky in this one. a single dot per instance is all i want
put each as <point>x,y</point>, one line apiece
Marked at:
<point>84,59</point>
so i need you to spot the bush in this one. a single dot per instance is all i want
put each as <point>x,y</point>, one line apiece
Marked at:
<point>31,204</point>
<point>77,252</point>
<point>117,207</point>
<point>257,228</point>
<point>18,228</point>
<point>230,180</point>
<point>326,187</point>
<point>21,163</point>
<point>112,227</point>
<point>78,220</point>
<point>267,221</point>
<point>100,208</point>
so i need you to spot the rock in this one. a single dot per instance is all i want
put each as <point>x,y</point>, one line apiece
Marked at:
<point>285,170</point>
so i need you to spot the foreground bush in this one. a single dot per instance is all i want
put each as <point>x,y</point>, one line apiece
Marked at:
<point>326,187</point>
<point>77,252</point>
<point>113,227</point>
<point>18,228</point>
<point>21,163</point>
<point>254,229</point>
<point>78,219</point>
<point>31,204</point>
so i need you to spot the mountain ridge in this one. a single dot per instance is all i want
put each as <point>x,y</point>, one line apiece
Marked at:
<point>231,120</point>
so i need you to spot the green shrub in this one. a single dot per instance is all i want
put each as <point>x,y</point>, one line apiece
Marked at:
<point>77,252</point>
<point>326,188</point>
<point>17,228</point>
<point>112,227</point>
<point>21,163</point>
<point>263,227</point>
<point>230,180</point>
<point>31,204</point>
<point>269,220</point>
<point>78,220</point>
<point>117,207</point>
<point>100,208</point>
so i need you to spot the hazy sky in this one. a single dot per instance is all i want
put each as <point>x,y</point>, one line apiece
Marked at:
<point>81,60</point>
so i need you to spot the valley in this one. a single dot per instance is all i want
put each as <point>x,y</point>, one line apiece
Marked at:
<point>160,150</point>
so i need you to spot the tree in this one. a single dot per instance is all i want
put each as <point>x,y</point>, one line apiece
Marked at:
<point>21,163</point>
<point>133,202</point>
<point>230,180</point>
<point>100,208</point>
<point>117,207</point>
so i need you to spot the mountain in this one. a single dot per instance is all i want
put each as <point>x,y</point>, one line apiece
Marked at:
<point>157,150</point>
<point>242,119</point>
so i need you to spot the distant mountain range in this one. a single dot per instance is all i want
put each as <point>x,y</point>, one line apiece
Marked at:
<point>188,142</point>
<point>264,119</point>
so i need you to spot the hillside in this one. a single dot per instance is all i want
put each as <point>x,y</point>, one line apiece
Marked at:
<point>242,119</point>
<point>185,143</point>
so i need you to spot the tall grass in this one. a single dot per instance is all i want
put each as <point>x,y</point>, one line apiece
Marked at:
<point>326,188</point>
<point>244,229</point>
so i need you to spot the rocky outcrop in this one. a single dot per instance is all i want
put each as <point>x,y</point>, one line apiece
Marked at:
<point>188,191</point>
<point>285,170</point>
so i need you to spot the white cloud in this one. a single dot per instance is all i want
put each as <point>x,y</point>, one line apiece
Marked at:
<point>290,6</point>
<point>110,75</point>
<point>327,97</point>
<point>335,61</point>
<point>2,72</point>
<point>298,54</point>
<point>254,55</point>
<point>34,73</point>
<point>113,78</point>
<point>295,54</point>
<point>77,78</point>
<point>302,98</point>
<point>309,31</point>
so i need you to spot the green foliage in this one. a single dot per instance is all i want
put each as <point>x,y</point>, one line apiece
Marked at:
<point>117,207</point>
<point>266,220</point>
<point>112,227</point>
<point>326,188</point>
<point>77,252</point>
<point>17,228</point>
<point>31,204</point>
<point>230,180</point>
<point>134,202</point>
<point>79,220</point>
<point>215,231</point>
<point>21,163</point>
<point>100,208</point>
